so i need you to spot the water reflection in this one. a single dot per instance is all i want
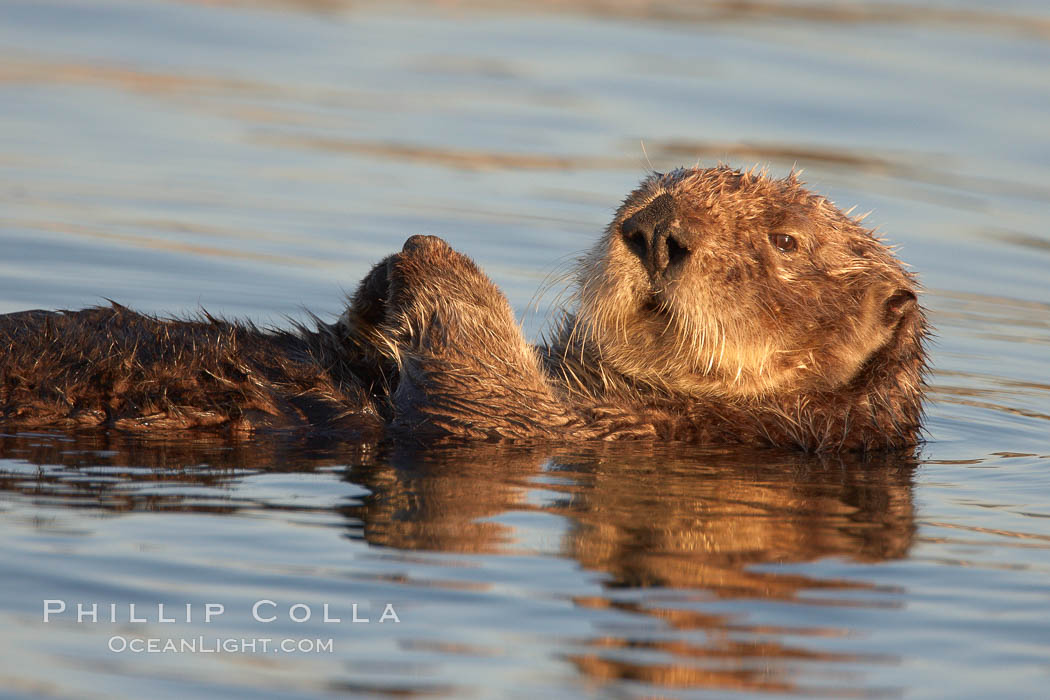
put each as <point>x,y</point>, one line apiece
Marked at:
<point>655,519</point>
<point>650,515</point>
<point>670,530</point>
<point>646,515</point>
<point>116,472</point>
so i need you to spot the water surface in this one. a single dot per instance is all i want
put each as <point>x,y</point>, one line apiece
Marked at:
<point>256,159</point>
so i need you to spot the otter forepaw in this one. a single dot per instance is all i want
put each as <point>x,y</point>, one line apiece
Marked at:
<point>370,304</point>
<point>420,244</point>
<point>428,273</point>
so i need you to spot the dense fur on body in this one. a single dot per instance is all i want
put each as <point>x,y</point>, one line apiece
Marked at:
<point>111,366</point>
<point>719,306</point>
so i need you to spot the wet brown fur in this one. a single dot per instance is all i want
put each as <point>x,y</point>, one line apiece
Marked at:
<point>732,341</point>
<point>110,366</point>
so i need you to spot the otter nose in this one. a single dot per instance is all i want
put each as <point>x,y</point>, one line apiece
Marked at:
<point>649,235</point>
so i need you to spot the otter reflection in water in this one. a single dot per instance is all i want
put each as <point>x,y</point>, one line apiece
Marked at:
<point>706,523</point>
<point>719,307</point>
<point>687,525</point>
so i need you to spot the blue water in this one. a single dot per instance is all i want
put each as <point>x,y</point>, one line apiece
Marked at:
<point>256,159</point>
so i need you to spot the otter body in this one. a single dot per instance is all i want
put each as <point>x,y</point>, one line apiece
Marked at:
<point>110,366</point>
<point>719,306</point>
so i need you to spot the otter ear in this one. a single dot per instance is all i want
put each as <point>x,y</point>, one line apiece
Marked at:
<point>899,304</point>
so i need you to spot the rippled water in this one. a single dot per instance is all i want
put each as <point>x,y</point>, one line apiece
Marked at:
<point>255,159</point>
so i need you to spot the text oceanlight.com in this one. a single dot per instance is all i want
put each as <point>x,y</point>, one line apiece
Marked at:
<point>215,645</point>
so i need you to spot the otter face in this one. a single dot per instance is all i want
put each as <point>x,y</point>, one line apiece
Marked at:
<point>723,283</point>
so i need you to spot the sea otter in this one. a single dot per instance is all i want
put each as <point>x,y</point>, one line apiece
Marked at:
<point>719,306</point>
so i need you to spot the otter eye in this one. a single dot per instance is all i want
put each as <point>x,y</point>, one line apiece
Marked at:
<point>783,242</point>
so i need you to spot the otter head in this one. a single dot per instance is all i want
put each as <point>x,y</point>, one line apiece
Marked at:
<point>733,285</point>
